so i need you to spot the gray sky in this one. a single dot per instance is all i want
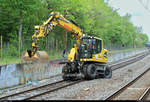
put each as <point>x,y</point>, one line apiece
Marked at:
<point>140,16</point>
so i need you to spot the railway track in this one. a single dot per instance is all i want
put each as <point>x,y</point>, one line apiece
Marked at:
<point>38,91</point>
<point>145,95</point>
<point>44,89</point>
<point>121,90</point>
<point>123,63</point>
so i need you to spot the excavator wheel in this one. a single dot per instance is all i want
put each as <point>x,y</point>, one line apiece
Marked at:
<point>107,72</point>
<point>40,56</point>
<point>89,71</point>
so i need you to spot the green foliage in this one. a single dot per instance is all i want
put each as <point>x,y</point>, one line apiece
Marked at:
<point>95,17</point>
<point>11,50</point>
<point>33,12</point>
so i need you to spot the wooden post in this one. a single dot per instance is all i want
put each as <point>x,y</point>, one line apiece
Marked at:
<point>56,45</point>
<point>1,46</point>
<point>133,45</point>
<point>19,48</point>
<point>65,33</point>
<point>48,43</point>
<point>123,26</point>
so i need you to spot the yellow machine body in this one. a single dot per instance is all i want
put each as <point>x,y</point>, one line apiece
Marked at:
<point>97,57</point>
<point>87,57</point>
<point>43,30</point>
<point>101,57</point>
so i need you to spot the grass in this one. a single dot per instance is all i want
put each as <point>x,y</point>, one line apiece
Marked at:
<point>9,60</point>
<point>52,56</point>
<point>14,60</point>
<point>55,56</point>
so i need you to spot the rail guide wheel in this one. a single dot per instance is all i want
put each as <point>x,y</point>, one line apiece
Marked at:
<point>65,72</point>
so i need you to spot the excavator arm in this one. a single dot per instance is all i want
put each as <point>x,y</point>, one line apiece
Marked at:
<point>55,19</point>
<point>88,61</point>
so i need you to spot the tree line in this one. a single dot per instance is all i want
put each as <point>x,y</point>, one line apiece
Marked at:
<point>95,17</point>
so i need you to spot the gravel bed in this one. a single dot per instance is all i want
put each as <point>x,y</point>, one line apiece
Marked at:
<point>100,89</point>
<point>77,90</point>
<point>29,85</point>
<point>137,89</point>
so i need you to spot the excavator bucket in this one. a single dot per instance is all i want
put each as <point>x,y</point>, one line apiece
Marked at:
<point>39,56</point>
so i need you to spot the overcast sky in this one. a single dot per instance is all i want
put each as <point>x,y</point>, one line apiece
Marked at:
<point>140,16</point>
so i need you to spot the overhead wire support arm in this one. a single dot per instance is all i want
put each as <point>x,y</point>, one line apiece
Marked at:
<point>145,6</point>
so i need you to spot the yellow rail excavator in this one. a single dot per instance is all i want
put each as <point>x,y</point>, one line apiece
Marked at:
<point>87,59</point>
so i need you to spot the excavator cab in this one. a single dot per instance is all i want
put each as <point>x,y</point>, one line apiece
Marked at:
<point>93,61</point>
<point>90,46</point>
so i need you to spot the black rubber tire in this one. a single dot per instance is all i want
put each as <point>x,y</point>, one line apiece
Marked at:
<point>65,78</point>
<point>64,72</point>
<point>64,69</point>
<point>90,72</point>
<point>108,72</point>
<point>85,71</point>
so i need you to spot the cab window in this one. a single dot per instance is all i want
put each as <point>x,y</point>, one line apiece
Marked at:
<point>99,46</point>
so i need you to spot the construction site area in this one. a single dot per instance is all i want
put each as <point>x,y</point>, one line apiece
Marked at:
<point>74,50</point>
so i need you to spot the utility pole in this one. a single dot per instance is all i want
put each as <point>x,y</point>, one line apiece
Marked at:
<point>65,33</point>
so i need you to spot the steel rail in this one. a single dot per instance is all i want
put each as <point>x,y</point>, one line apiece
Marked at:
<point>59,83</point>
<point>15,94</point>
<point>121,90</point>
<point>145,94</point>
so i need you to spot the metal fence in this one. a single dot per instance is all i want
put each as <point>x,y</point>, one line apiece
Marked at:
<point>54,48</point>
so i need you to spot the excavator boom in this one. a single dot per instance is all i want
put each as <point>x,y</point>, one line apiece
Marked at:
<point>43,30</point>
